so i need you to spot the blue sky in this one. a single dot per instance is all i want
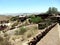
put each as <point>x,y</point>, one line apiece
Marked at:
<point>27,6</point>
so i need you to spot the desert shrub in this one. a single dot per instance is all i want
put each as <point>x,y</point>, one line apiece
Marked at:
<point>41,25</point>
<point>1,39</point>
<point>4,41</point>
<point>4,31</point>
<point>14,18</point>
<point>29,35</point>
<point>5,35</point>
<point>13,39</point>
<point>16,32</point>
<point>48,22</point>
<point>15,24</point>
<point>21,31</point>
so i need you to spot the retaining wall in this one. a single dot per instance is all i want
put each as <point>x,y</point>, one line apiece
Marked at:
<point>41,35</point>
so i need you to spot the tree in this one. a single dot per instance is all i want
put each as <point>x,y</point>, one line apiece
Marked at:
<point>52,10</point>
<point>49,10</point>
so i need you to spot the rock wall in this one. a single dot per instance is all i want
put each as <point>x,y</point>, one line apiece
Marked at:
<point>41,35</point>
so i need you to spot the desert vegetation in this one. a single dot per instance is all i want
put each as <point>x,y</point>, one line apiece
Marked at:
<point>19,29</point>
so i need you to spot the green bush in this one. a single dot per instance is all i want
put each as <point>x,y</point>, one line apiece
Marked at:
<point>36,19</point>
<point>16,32</point>
<point>41,26</point>
<point>48,22</point>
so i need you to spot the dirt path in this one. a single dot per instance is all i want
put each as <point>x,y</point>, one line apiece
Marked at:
<point>59,31</point>
<point>52,38</point>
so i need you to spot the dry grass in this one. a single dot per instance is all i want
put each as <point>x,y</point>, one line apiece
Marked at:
<point>31,31</point>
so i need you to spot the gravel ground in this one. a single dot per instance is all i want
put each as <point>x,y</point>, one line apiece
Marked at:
<point>51,38</point>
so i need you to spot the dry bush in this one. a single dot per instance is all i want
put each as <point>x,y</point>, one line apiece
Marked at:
<point>29,35</point>
<point>5,35</point>
<point>1,39</point>
<point>21,31</point>
<point>4,41</point>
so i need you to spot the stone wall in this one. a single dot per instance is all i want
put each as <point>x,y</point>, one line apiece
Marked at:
<point>41,35</point>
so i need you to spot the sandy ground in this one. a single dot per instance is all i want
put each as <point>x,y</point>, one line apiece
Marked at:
<point>59,31</point>
<point>52,37</point>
